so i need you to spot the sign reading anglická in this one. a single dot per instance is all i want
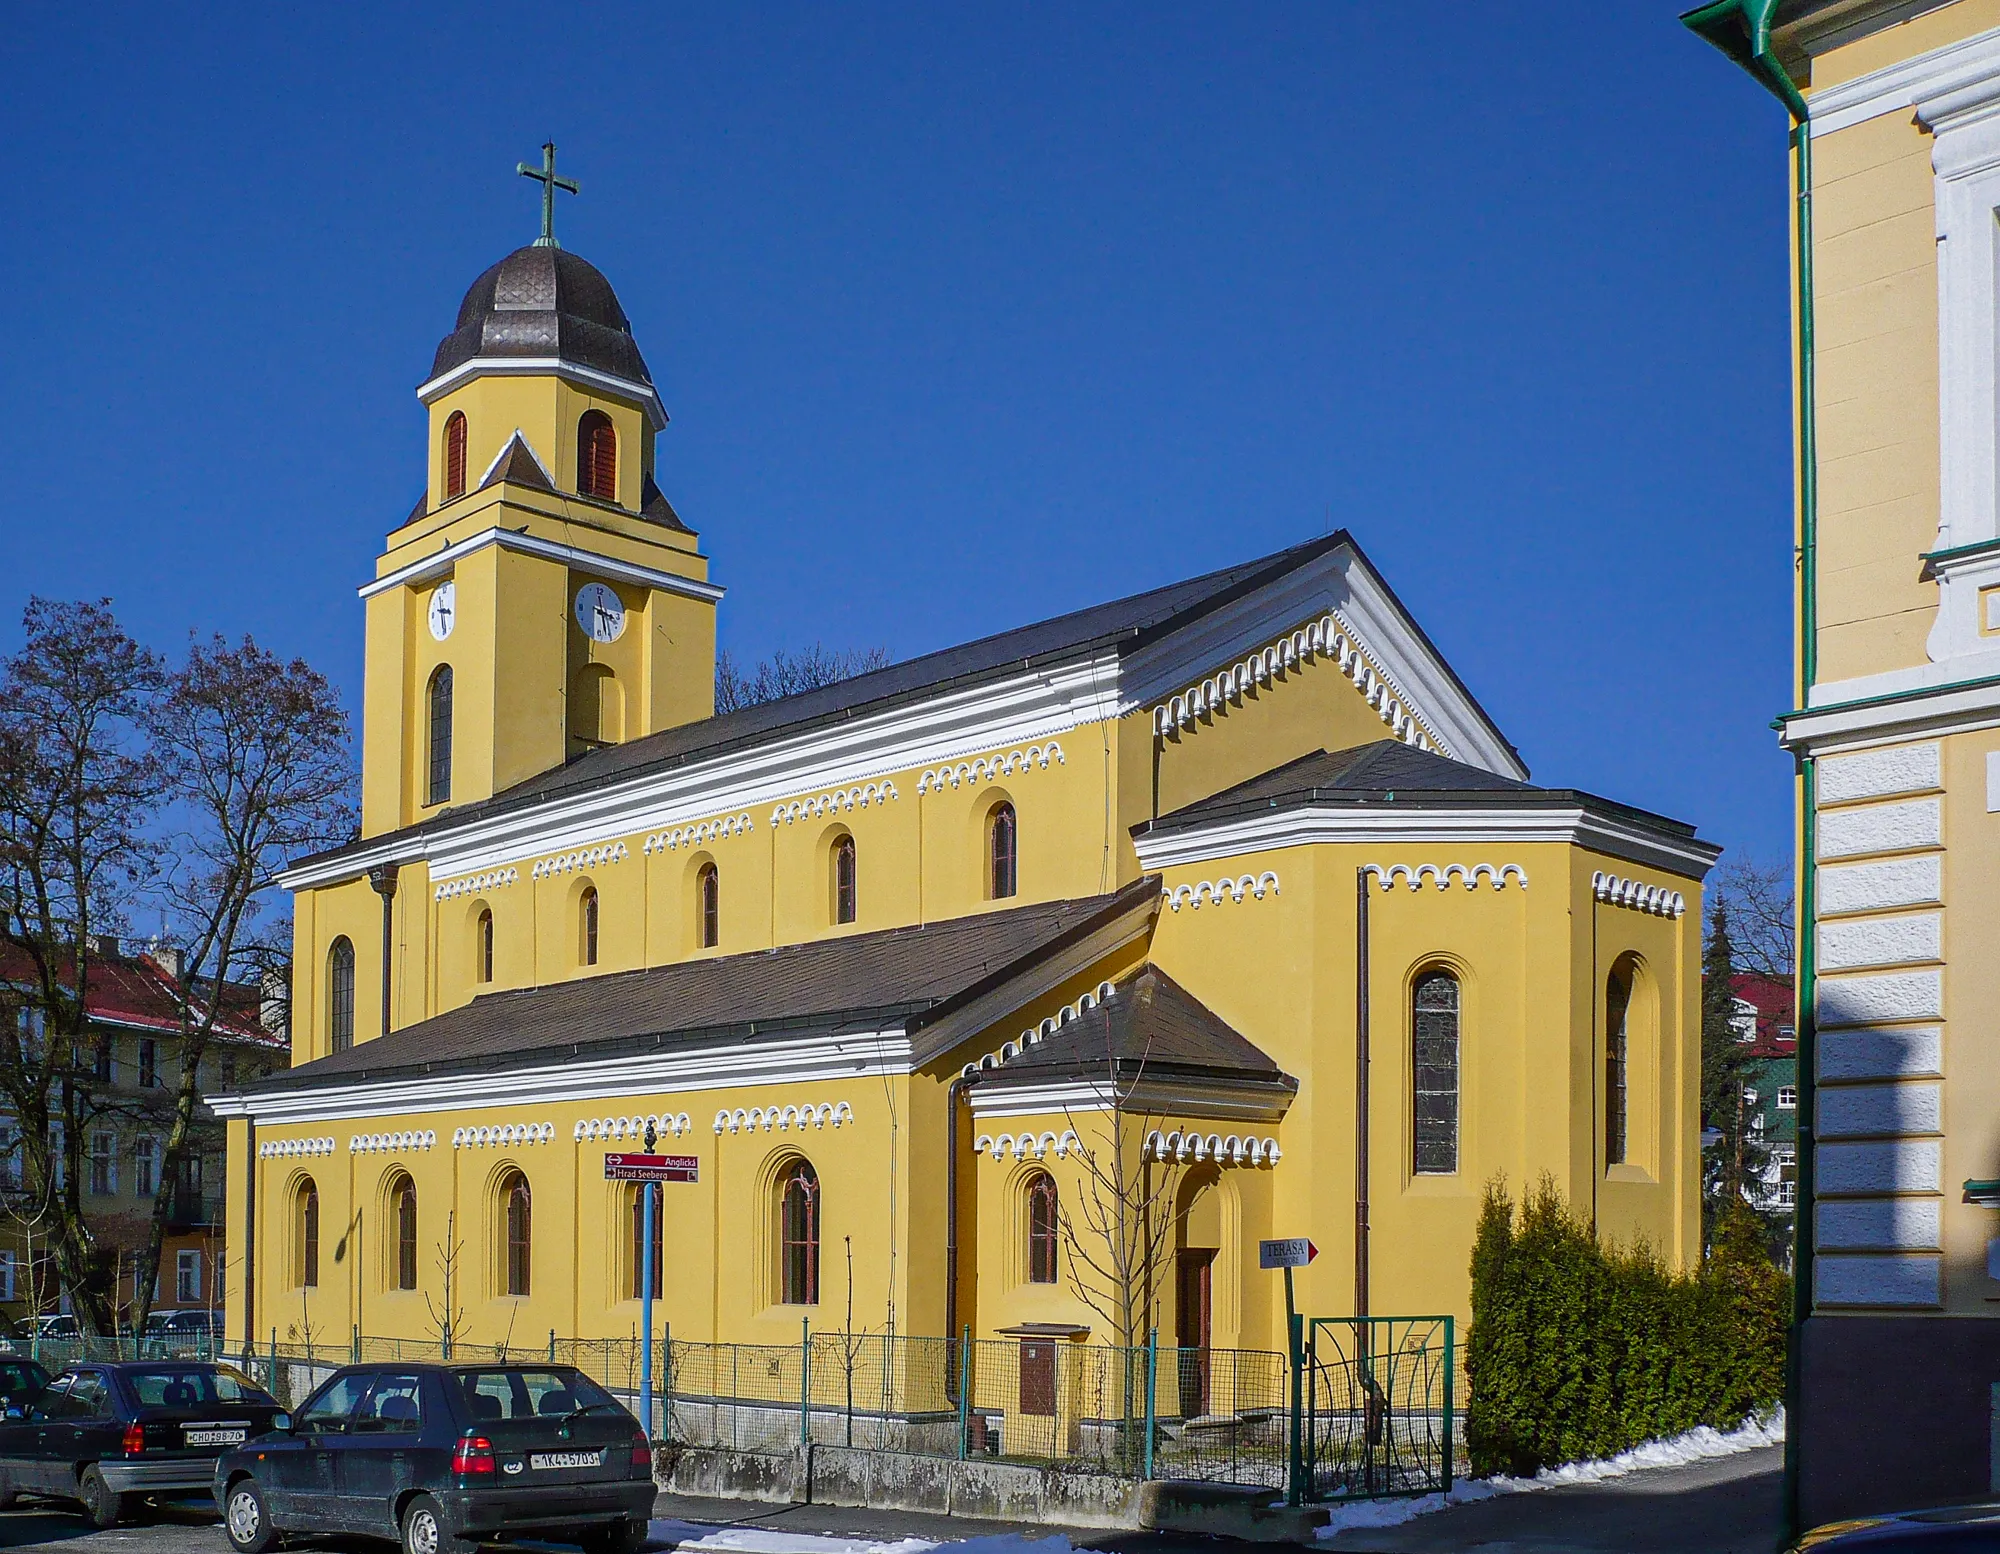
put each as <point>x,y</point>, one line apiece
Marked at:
<point>1293,1253</point>
<point>651,1168</point>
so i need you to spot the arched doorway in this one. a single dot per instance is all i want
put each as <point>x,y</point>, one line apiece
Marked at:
<point>1197,1240</point>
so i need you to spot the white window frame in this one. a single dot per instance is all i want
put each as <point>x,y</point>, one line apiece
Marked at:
<point>107,1158</point>
<point>187,1276</point>
<point>1788,1098</point>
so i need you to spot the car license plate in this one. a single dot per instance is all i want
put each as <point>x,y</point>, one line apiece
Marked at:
<point>566,1459</point>
<point>215,1435</point>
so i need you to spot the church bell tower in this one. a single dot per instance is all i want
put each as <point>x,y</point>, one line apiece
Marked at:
<point>543,599</point>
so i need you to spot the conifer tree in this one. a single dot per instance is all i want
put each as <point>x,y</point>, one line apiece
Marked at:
<point>1735,1156</point>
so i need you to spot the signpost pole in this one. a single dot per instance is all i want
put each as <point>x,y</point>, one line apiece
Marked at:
<point>1289,1253</point>
<point>646,1192</point>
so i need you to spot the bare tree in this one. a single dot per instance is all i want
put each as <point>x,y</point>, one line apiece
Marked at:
<point>77,788</point>
<point>256,762</point>
<point>789,674</point>
<point>448,1314</point>
<point>1758,898</point>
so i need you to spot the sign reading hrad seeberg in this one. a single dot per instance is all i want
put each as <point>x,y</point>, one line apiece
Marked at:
<point>651,1168</point>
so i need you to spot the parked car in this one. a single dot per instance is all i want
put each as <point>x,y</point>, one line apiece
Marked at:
<point>104,1434</point>
<point>168,1331</point>
<point>13,1336</point>
<point>20,1382</point>
<point>59,1324</point>
<point>1952,1529</point>
<point>433,1453</point>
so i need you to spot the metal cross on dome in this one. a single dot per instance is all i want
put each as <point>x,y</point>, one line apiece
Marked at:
<point>545,175</point>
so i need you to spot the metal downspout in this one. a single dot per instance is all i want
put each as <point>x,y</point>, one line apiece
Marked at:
<point>952,1094</point>
<point>1742,30</point>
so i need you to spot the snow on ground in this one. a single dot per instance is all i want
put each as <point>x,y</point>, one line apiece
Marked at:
<point>1698,1445</point>
<point>767,1540</point>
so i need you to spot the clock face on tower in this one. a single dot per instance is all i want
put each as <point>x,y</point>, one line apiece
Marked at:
<point>600,613</point>
<point>444,609</point>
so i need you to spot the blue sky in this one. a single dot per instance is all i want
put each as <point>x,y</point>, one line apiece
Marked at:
<point>965,316</point>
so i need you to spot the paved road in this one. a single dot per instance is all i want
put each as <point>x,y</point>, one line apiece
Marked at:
<point>1730,1505</point>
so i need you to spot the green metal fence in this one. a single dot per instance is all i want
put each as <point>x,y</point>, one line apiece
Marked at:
<point>1380,1402</point>
<point>1376,1414</point>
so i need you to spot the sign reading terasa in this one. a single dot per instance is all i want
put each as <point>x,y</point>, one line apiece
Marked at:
<point>1293,1252</point>
<point>652,1168</point>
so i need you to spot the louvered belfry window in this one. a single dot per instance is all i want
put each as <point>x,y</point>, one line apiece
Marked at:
<point>1000,842</point>
<point>454,455</point>
<point>597,456</point>
<point>1435,1052</point>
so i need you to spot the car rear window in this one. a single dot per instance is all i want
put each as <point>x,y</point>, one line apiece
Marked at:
<point>191,1386</point>
<point>530,1394</point>
<point>17,1379</point>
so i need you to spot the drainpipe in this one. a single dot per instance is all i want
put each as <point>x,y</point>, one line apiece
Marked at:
<point>1742,30</point>
<point>383,878</point>
<point>249,1240</point>
<point>1361,1092</point>
<point>951,1100</point>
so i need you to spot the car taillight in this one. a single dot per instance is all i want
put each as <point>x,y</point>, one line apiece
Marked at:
<point>472,1454</point>
<point>135,1437</point>
<point>642,1452</point>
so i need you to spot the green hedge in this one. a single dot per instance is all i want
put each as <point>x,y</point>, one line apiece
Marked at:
<point>1580,1351</point>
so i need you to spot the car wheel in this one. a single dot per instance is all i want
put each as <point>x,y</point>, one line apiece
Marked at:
<point>620,1537</point>
<point>101,1503</point>
<point>423,1527</point>
<point>246,1520</point>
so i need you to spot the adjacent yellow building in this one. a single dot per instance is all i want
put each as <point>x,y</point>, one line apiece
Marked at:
<point>1895,107</point>
<point>917,965</point>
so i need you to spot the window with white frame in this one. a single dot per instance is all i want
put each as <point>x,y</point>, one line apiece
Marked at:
<point>103,1164</point>
<point>1788,1098</point>
<point>146,1166</point>
<point>187,1277</point>
<point>1788,1194</point>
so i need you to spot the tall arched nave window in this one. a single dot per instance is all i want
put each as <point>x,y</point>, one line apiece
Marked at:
<point>844,895</point>
<point>798,1236</point>
<point>340,995</point>
<point>1000,852</point>
<point>517,1209</point>
<point>305,1212</point>
<point>708,906</point>
<point>587,925</point>
<point>403,1243</point>
<point>1043,1220</point>
<point>1617,1050</point>
<point>439,786</point>
<point>1434,1064</point>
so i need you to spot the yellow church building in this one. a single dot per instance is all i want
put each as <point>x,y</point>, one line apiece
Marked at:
<point>1229,889</point>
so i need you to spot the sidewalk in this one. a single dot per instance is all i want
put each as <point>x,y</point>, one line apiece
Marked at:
<point>1729,1505</point>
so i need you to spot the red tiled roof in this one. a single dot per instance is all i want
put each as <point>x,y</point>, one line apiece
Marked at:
<point>1774,1002</point>
<point>136,991</point>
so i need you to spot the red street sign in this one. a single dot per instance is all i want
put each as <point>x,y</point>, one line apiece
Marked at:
<point>1293,1253</point>
<point>651,1168</point>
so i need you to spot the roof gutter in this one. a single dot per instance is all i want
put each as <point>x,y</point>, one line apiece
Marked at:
<point>1742,30</point>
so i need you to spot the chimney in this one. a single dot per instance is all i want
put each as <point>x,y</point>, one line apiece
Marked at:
<point>169,959</point>
<point>104,946</point>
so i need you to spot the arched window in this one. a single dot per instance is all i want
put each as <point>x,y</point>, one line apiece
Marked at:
<point>798,1237</point>
<point>708,906</point>
<point>519,1210</point>
<point>587,925</point>
<point>638,1221</point>
<point>1434,1063</point>
<point>843,880</point>
<point>1000,852</point>
<point>483,947</point>
<point>454,455</point>
<point>1042,1220</point>
<point>1617,1005</point>
<point>307,1217</point>
<point>340,995</point>
<point>597,456</point>
<point>403,1203</point>
<point>440,708</point>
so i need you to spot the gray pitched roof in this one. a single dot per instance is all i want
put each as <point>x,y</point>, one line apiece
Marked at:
<point>1149,1024</point>
<point>859,981</point>
<point>518,464</point>
<point>1388,773</point>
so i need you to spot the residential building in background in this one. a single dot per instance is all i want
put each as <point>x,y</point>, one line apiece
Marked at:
<point>126,1074</point>
<point>1895,725</point>
<point>1764,1023</point>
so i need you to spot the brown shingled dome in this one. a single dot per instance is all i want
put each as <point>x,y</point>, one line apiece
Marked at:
<point>539,303</point>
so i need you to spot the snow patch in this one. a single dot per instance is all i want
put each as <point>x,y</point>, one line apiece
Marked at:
<point>767,1540</point>
<point>1676,1451</point>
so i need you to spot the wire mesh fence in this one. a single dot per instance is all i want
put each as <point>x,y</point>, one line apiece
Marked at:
<point>1378,1399</point>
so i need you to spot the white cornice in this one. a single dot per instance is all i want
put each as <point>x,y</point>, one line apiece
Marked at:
<point>642,394</point>
<point>1341,582</point>
<point>1944,709</point>
<point>440,562</point>
<point>1220,1100</point>
<point>1269,830</point>
<point>1948,80</point>
<point>849,1055</point>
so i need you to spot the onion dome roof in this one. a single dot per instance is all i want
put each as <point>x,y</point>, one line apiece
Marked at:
<point>544,303</point>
